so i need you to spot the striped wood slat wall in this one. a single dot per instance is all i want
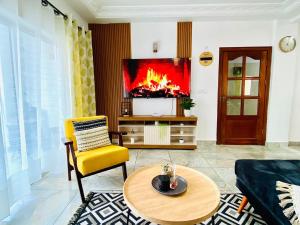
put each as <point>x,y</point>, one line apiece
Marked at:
<point>111,44</point>
<point>184,50</point>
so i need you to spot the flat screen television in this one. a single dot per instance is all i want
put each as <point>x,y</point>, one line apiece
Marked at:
<point>157,78</point>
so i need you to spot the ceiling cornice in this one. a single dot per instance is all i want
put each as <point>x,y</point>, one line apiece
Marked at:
<point>152,10</point>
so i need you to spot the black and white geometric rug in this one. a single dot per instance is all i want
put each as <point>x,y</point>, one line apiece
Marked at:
<point>110,209</point>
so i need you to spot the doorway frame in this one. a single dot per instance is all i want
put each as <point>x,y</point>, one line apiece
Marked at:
<point>222,50</point>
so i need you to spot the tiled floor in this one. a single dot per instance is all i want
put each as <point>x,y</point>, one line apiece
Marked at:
<point>53,200</point>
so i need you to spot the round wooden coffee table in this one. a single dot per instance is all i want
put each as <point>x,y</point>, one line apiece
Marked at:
<point>198,203</point>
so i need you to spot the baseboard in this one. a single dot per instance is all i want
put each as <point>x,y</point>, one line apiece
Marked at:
<point>276,144</point>
<point>206,142</point>
<point>294,143</point>
<point>268,144</point>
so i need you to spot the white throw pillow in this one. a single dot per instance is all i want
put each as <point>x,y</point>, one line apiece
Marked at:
<point>289,200</point>
<point>91,134</point>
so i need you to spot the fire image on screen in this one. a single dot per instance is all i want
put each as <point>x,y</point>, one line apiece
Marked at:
<point>156,78</point>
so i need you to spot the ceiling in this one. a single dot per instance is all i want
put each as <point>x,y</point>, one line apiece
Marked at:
<point>150,10</point>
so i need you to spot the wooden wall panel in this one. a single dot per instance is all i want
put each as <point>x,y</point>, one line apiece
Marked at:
<point>111,44</point>
<point>184,50</point>
<point>184,39</point>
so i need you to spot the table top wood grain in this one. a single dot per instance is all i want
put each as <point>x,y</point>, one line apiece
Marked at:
<point>198,203</point>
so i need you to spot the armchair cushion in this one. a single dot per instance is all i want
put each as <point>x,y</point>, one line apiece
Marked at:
<point>100,158</point>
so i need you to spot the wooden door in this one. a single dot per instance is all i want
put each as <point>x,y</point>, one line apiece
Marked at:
<point>244,76</point>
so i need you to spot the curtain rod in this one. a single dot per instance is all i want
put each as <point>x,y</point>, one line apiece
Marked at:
<point>56,10</point>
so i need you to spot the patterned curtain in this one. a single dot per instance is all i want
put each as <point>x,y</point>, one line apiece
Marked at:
<point>82,67</point>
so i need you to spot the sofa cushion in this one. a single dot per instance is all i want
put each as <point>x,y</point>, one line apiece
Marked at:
<point>257,181</point>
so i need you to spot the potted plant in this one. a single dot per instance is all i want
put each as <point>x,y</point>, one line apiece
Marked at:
<point>187,104</point>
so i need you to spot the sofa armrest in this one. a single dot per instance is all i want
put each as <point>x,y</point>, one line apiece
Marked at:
<point>115,133</point>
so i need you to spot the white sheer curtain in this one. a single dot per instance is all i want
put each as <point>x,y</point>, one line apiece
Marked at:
<point>34,96</point>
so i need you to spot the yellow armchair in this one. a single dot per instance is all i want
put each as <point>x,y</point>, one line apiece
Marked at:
<point>93,161</point>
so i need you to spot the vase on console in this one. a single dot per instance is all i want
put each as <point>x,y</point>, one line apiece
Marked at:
<point>187,104</point>
<point>187,112</point>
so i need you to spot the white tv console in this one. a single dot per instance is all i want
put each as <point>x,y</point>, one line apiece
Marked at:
<point>169,132</point>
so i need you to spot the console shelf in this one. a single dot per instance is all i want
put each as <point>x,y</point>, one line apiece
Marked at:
<point>165,132</point>
<point>134,134</point>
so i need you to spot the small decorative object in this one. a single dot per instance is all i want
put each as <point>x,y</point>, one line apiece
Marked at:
<point>156,123</point>
<point>132,140</point>
<point>166,169</point>
<point>173,182</point>
<point>168,183</point>
<point>187,104</point>
<point>206,58</point>
<point>181,124</point>
<point>155,47</point>
<point>181,140</point>
<point>237,71</point>
<point>287,44</point>
<point>164,182</point>
<point>181,132</point>
<point>173,179</point>
<point>126,107</point>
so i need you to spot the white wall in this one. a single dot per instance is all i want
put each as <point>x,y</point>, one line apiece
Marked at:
<point>142,37</point>
<point>154,106</point>
<point>17,6</point>
<point>63,6</point>
<point>282,86</point>
<point>210,36</point>
<point>213,35</point>
<point>295,118</point>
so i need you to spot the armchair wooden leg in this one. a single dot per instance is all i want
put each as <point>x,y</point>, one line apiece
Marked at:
<point>124,171</point>
<point>69,172</point>
<point>80,187</point>
<point>243,204</point>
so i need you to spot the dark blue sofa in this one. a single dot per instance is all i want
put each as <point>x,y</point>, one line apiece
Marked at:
<point>256,179</point>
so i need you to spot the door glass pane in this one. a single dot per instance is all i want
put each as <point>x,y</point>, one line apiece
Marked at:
<point>234,88</point>
<point>251,87</point>
<point>235,67</point>
<point>252,67</point>
<point>233,106</point>
<point>250,106</point>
